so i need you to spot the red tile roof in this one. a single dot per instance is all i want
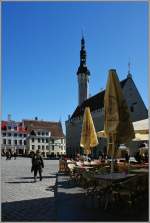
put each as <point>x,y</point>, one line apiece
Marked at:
<point>3,125</point>
<point>19,126</point>
<point>54,127</point>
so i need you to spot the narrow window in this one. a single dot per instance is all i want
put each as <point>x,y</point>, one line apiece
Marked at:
<point>132,109</point>
<point>4,141</point>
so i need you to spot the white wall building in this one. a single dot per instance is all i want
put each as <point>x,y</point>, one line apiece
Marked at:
<point>48,137</point>
<point>13,137</point>
<point>31,135</point>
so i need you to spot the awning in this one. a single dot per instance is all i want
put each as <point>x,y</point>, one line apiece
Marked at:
<point>140,128</point>
<point>141,137</point>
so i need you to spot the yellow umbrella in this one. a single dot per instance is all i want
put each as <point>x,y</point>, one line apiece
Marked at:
<point>88,134</point>
<point>118,127</point>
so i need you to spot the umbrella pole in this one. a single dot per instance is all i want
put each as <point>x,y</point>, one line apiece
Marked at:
<point>112,157</point>
<point>112,164</point>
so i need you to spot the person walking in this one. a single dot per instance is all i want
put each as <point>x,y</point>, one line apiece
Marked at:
<point>37,165</point>
<point>8,155</point>
<point>15,155</point>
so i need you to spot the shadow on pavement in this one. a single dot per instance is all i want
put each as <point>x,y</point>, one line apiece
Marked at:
<point>77,207</point>
<point>44,177</point>
<point>42,209</point>
<point>18,182</point>
<point>74,205</point>
<point>51,188</point>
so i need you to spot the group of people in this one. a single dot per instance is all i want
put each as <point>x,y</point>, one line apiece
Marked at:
<point>9,155</point>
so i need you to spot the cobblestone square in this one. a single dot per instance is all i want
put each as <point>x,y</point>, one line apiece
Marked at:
<point>22,199</point>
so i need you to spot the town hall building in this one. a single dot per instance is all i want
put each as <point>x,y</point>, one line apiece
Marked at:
<point>137,108</point>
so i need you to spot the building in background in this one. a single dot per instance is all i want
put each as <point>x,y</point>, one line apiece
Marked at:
<point>31,135</point>
<point>13,136</point>
<point>137,108</point>
<point>45,136</point>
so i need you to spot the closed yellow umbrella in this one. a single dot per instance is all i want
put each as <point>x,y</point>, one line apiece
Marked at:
<point>88,134</point>
<point>118,127</point>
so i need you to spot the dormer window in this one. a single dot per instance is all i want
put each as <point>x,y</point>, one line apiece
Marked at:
<point>32,133</point>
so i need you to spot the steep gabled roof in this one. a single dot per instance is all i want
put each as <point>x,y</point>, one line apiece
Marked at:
<point>95,102</point>
<point>54,127</point>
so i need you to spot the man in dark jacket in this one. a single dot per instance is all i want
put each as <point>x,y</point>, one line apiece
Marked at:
<point>37,165</point>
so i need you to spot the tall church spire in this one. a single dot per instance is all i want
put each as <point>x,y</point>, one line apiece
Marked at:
<point>83,74</point>
<point>83,68</point>
<point>82,53</point>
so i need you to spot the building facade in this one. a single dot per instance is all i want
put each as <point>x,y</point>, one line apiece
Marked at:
<point>45,136</point>
<point>13,137</point>
<point>31,135</point>
<point>137,108</point>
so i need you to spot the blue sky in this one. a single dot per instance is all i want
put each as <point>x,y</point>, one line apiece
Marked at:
<point>41,48</point>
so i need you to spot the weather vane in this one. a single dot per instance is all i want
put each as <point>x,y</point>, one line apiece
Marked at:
<point>129,67</point>
<point>82,32</point>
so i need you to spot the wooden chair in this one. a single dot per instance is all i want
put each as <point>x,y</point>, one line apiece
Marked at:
<point>62,166</point>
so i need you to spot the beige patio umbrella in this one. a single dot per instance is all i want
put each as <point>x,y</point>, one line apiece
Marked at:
<point>141,137</point>
<point>88,134</point>
<point>118,127</point>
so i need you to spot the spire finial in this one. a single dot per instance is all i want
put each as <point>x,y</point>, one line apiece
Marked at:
<point>82,33</point>
<point>129,68</point>
<point>82,40</point>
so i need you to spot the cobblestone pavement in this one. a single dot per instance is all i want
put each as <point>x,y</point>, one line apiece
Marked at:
<point>22,199</point>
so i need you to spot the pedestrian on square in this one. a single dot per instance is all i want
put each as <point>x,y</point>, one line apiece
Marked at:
<point>37,165</point>
<point>7,155</point>
<point>15,155</point>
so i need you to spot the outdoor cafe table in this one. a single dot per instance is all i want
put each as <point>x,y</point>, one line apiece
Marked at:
<point>113,176</point>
